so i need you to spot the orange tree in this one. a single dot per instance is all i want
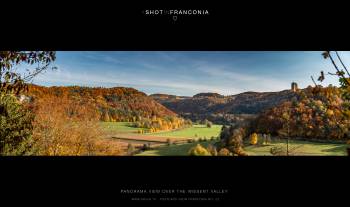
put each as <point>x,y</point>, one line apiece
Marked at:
<point>343,74</point>
<point>344,79</point>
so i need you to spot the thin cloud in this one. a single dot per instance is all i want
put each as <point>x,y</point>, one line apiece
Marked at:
<point>187,73</point>
<point>105,57</point>
<point>68,77</point>
<point>257,83</point>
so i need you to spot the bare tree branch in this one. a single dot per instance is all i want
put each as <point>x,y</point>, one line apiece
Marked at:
<point>312,78</point>
<point>341,74</point>
<point>342,63</point>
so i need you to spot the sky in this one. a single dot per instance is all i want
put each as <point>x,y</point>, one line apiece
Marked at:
<point>187,73</point>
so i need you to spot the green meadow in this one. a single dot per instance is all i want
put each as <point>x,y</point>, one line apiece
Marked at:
<point>196,131</point>
<point>302,148</point>
<point>297,147</point>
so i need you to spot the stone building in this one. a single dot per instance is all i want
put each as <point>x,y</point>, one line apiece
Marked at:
<point>294,86</point>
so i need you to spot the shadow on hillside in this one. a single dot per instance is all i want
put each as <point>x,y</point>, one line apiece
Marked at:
<point>175,149</point>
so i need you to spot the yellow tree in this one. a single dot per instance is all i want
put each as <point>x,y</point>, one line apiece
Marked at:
<point>105,117</point>
<point>253,139</point>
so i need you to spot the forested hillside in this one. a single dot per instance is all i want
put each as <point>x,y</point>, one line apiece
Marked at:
<point>316,112</point>
<point>114,104</point>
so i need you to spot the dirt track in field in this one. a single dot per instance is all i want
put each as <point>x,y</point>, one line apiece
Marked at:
<point>139,140</point>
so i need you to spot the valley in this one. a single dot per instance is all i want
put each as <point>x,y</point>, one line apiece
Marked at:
<point>124,133</point>
<point>226,113</point>
<point>169,125</point>
<point>223,109</point>
<point>180,145</point>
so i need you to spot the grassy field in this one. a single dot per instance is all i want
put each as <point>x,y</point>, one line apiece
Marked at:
<point>302,148</point>
<point>196,131</point>
<point>200,131</point>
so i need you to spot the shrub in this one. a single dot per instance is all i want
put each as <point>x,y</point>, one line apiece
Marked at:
<point>200,139</point>
<point>189,140</point>
<point>209,124</point>
<point>212,150</point>
<point>198,150</point>
<point>224,152</point>
<point>241,152</point>
<point>131,149</point>
<point>237,151</point>
<point>138,124</point>
<point>146,146</point>
<point>169,141</point>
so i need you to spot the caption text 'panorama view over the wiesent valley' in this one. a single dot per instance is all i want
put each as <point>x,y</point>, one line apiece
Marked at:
<point>161,103</point>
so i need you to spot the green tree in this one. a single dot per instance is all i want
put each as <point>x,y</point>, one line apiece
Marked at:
<point>15,125</point>
<point>209,124</point>
<point>15,119</point>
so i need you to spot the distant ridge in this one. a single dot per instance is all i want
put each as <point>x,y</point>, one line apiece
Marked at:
<point>208,95</point>
<point>220,108</point>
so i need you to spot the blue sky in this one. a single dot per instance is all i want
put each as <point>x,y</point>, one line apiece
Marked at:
<point>188,73</point>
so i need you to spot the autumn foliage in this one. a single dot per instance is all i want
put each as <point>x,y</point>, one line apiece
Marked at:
<point>231,139</point>
<point>114,105</point>
<point>317,112</point>
<point>156,124</point>
<point>65,127</point>
<point>199,150</point>
<point>253,139</point>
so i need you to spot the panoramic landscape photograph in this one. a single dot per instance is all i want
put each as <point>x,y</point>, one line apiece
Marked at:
<point>174,103</point>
